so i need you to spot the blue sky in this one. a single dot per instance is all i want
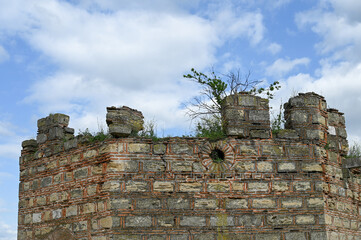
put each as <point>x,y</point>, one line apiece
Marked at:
<point>78,57</point>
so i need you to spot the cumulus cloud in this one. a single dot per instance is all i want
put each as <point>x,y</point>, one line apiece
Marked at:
<point>274,48</point>
<point>338,78</point>
<point>283,66</point>
<point>235,25</point>
<point>133,55</point>
<point>7,232</point>
<point>340,32</point>
<point>4,56</point>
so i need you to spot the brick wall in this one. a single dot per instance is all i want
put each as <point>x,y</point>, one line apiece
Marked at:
<point>251,185</point>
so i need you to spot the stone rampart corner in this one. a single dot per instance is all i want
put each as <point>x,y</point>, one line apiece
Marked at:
<point>253,184</point>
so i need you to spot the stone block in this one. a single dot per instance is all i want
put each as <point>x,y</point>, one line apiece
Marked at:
<point>315,134</point>
<point>138,221</point>
<point>204,236</point>
<point>28,219</point>
<point>181,166</point>
<point>182,148</point>
<point>90,153</point>
<point>250,220</point>
<point>236,203</point>
<point>295,236</point>
<point>218,187</point>
<point>45,182</point>
<point>190,187</point>
<point>76,193</point>
<point>71,143</point>
<point>264,166</point>
<point>51,165</point>
<point>234,115</point>
<point>279,219</point>
<point>138,148</point>
<point>154,166</point>
<point>178,203</point>
<point>206,203</point>
<point>36,217</point>
<point>192,221</point>
<point>301,150</point>
<point>236,236</point>
<point>260,133</point>
<point>30,145</point>
<point>57,213</point>
<point>121,203</point>
<point>315,202</point>
<point>80,226</point>
<point>89,208</point>
<point>148,203</point>
<point>238,186</point>
<point>71,211</point>
<point>136,186</point>
<point>287,167</point>
<point>221,220</point>
<point>75,158</point>
<point>198,167</point>
<point>248,150</point>
<point>127,237</point>
<point>106,222</point>
<point>268,236</point>
<point>117,130</point>
<point>166,221</point>
<point>56,133</point>
<point>272,150</point>
<point>122,166</point>
<point>157,237</point>
<point>245,166</point>
<point>108,148</point>
<point>236,131</point>
<point>247,100</point>
<point>291,203</point>
<point>179,237</point>
<point>97,169</point>
<point>299,117</point>
<point>257,186</point>
<point>81,173</point>
<point>287,134</point>
<point>111,186</point>
<point>302,186</point>
<point>305,219</point>
<point>318,236</point>
<point>99,237</point>
<point>264,203</point>
<point>41,200</point>
<point>159,148</point>
<point>161,186</point>
<point>312,167</point>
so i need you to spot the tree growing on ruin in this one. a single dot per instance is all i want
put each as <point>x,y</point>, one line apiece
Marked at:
<point>206,107</point>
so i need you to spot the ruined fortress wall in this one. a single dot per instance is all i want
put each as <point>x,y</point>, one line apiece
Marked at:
<point>252,185</point>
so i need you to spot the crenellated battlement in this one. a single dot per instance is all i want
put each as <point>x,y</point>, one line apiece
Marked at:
<point>295,184</point>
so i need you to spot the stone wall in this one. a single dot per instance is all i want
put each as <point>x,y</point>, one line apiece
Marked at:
<point>251,185</point>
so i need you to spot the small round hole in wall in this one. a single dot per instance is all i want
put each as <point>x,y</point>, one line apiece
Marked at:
<point>217,155</point>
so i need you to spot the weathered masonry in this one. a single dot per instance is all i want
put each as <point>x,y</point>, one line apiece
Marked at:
<point>256,185</point>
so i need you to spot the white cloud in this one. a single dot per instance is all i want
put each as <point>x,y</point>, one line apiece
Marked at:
<point>4,56</point>
<point>134,55</point>
<point>7,232</point>
<point>10,150</point>
<point>340,32</point>
<point>283,66</point>
<point>234,25</point>
<point>280,3</point>
<point>338,23</point>
<point>274,48</point>
<point>6,129</point>
<point>350,9</point>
